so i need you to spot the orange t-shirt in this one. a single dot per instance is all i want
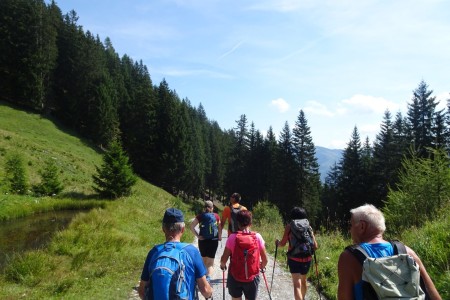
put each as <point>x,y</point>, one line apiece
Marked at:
<point>226,215</point>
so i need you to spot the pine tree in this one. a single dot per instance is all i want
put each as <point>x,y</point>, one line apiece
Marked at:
<point>50,184</point>
<point>16,175</point>
<point>115,177</point>
<point>351,188</point>
<point>308,181</point>
<point>286,193</point>
<point>421,114</point>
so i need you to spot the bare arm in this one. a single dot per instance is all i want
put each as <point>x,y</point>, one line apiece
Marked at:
<point>141,288</point>
<point>349,273</point>
<point>204,287</point>
<point>192,227</point>
<point>429,285</point>
<point>263,258</point>
<point>223,260</point>
<point>285,237</point>
<point>316,246</point>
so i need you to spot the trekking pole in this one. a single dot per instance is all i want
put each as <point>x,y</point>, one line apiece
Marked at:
<point>317,275</point>
<point>274,260</point>
<point>265,280</point>
<point>223,283</point>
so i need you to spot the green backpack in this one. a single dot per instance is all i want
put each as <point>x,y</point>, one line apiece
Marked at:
<point>390,277</point>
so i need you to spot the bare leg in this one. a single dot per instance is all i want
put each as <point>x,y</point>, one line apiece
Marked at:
<point>299,282</point>
<point>209,264</point>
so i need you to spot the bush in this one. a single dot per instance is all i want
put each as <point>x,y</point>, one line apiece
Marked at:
<point>266,213</point>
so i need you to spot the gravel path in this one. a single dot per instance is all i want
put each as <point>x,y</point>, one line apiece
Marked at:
<point>282,288</point>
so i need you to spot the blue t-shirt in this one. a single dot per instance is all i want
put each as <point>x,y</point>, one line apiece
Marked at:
<point>194,268</point>
<point>375,251</point>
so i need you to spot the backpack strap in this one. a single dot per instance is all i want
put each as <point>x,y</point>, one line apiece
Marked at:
<point>399,247</point>
<point>358,252</point>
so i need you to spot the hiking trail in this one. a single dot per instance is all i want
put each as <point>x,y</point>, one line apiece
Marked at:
<point>282,288</point>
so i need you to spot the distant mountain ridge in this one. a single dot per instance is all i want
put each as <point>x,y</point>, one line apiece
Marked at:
<point>326,159</point>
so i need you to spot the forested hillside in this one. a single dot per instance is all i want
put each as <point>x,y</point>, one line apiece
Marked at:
<point>53,66</point>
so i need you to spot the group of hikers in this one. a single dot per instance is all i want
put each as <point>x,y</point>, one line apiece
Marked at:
<point>371,268</point>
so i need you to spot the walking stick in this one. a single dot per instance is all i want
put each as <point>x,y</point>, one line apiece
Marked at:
<point>223,283</point>
<point>265,280</point>
<point>273,270</point>
<point>317,275</point>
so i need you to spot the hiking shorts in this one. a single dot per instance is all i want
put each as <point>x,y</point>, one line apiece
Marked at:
<point>237,288</point>
<point>208,248</point>
<point>299,267</point>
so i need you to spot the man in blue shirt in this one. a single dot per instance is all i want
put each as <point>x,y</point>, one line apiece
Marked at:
<point>195,272</point>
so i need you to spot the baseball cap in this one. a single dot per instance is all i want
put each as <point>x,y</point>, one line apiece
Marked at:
<point>173,215</point>
<point>208,203</point>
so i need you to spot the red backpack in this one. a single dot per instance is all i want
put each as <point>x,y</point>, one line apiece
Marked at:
<point>245,259</point>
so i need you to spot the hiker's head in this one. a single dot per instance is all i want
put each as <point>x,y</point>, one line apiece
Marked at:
<point>298,213</point>
<point>236,198</point>
<point>244,218</point>
<point>370,215</point>
<point>209,206</point>
<point>173,221</point>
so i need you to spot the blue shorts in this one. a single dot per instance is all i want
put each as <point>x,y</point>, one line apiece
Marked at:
<point>299,267</point>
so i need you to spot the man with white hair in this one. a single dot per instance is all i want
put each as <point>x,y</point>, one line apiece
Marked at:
<point>367,225</point>
<point>183,260</point>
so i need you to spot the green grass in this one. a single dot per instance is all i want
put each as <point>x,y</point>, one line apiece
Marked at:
<point>101,253</point>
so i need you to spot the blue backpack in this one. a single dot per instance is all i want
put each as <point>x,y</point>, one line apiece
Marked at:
<point>167,273</point>
<point>208,226</point>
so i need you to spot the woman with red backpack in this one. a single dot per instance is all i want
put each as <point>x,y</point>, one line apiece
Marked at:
<point>248,257</point>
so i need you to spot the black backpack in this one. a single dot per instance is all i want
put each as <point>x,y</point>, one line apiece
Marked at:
<point>300,239</point>
<point>233,226</point>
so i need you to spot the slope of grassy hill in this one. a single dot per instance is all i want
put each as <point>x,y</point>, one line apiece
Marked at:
<point>100,255</point>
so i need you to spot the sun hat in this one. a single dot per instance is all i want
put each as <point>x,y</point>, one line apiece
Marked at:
<point>173,215</point>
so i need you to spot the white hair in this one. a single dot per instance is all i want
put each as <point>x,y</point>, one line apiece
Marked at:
<point>174,227</point>
<point>372,215</point>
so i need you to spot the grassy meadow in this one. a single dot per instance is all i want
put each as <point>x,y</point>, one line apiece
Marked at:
<point>100,254</point>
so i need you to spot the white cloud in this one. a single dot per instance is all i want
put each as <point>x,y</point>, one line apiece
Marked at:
<point>317,108</point>
<point>442,99</point>
<point>280,104</point>
<point>369,104</point>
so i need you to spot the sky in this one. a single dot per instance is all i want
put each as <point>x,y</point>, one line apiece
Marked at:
<point>344,63</point>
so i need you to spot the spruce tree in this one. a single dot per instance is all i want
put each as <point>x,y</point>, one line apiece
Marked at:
<point>50,184</point>
<point>115,177</point>
<point>16,176</point>
<point>308,181</point>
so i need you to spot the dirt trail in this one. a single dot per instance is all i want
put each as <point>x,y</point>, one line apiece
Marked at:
<point>282,288</point>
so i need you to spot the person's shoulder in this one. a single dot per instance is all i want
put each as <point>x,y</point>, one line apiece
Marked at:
<point>191,249</point>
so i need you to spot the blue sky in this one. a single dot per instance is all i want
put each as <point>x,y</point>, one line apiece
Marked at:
<point>343,62</point>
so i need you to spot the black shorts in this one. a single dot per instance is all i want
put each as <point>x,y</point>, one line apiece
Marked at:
<point>208,248</point>
<point>299,267</point>
<point>237,288</point>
